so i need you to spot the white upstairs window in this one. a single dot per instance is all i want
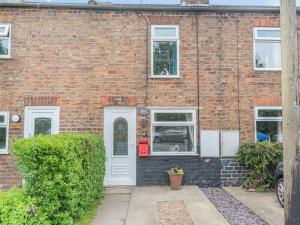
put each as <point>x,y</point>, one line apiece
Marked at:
<point>164,51</point>
<point>267,49</point>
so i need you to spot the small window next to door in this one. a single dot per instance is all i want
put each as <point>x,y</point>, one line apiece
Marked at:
<point>41,120</point>
<point>4,132</point>
<point>120,137</point>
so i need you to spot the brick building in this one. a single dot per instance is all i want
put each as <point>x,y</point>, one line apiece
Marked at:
<point>194,80</point>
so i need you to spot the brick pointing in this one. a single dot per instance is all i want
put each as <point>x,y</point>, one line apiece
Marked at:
<point>232,173</point>
<point>85,58</point>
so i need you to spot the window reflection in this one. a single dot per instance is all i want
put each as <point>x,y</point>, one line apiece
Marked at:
<point>42,126</point>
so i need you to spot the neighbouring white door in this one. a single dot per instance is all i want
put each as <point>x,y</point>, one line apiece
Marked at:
<point>41,120</point>
<point>120,144</point>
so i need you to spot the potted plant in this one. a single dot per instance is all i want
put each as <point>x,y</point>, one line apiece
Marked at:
<point>175,175</point>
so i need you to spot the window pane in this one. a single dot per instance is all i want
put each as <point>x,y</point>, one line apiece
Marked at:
<point>268,55</point>
<point>165,58</point>
<point>173,139</point>
<point>173,117</point>
<point>268,33</point>
<point>269,113</point>
<point>120,134</point>
<point>165,32</point>
<point>42,126</point>
<point>3,137</point>
<point>4,30</point>
<point>2,118</point>
<point>3,46</point>
<point>269,131</point>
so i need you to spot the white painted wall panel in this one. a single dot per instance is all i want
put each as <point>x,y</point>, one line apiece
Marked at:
<point>230,143</point>
<point>210,146</point>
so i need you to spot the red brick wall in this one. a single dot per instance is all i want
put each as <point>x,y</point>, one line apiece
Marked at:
<point>81,60</point>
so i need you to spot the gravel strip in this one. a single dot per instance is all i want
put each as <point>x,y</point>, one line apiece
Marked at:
<point>232,209</point>
<point>173,213</point>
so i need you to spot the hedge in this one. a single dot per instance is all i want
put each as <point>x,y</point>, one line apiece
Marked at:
<point>261,159</point>
<point>18,209</point>
<point>64,173</point>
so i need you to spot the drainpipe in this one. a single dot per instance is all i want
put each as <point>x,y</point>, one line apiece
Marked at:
<point>198,81</point>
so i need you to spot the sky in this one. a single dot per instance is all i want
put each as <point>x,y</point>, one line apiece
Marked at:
<point>222,2</point>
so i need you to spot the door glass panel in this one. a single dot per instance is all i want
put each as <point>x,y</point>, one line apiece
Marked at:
<point>42,126</point>
<point>3,137</point>
<point>120,137</point>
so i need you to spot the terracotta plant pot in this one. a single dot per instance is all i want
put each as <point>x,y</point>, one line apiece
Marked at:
<point>175,180</point>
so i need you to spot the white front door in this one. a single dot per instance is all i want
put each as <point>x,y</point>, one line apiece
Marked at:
<point>120,144</point>
<point>41,120</point>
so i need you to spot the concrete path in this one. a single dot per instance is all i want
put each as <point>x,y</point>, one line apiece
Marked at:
<point>138,206</point>
<point>142,207</point>
<point>263,204</point>
<point>113,210</point>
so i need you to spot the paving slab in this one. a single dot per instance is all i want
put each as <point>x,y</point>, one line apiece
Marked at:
<point>263,204</point>
<point>143,205</point>
<point>113,210</point>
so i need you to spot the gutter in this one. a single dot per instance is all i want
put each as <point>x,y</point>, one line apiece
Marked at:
<point>147,8</point>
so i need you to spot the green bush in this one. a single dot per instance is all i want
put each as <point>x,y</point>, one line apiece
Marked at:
<point>64,173</point>
<point>261,159</point>
<point>18,209</point>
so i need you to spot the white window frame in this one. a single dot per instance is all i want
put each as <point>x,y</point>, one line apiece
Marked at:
<point>259,118</point>
<point>5,124</point>
<point>7,36</point>
<point>266,40</point>
<point>170,123</point>
<point>153,39</point>
<point>36,109</point>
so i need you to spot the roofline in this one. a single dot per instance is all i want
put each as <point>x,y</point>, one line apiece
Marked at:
<point>149,8</point>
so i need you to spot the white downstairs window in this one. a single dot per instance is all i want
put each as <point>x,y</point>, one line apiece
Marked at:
<point>173,132</point>
<point>5,36</point>
<point>268,123</point>
<point>267,49</point>
<point>4,125</point>
<point>164,51</point>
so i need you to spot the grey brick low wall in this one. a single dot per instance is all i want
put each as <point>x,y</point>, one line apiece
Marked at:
<point>198,171</point>
<point>232,173</point>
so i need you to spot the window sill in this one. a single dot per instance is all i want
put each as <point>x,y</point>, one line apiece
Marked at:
<point>174,154</point>
<point>267,70</point>
<point>164,77</point>
<point>228,157</point>
<point>5,57</point>
<point>4,152</point>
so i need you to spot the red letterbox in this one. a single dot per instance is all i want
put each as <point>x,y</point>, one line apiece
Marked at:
<point>143,148</point>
